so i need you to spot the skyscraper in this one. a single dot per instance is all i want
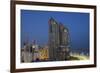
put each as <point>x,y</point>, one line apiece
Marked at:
<point>64,46</point>
<point>53,39</point>
<point>58,41</point>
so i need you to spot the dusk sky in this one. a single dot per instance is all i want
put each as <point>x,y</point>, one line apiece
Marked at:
<point>34,26</point>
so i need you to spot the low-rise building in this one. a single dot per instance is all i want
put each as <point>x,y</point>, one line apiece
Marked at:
<point>44,53</point>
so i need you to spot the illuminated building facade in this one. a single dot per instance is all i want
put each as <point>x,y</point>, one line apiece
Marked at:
<point>44,53</point>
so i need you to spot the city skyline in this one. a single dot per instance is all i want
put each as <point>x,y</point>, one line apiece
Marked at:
<point>34,26</point>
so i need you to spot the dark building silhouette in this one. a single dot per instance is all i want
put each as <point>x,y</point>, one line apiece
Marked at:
<point>59,41</point>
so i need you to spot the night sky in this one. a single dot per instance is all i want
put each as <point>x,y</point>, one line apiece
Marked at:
<point>34,26</point>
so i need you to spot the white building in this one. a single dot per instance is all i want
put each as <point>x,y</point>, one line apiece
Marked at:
<point>27,53</point>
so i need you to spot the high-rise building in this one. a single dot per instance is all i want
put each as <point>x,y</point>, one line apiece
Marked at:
<point>63,53</point>
<point>27,53</point>
<point>58,41</point>
<point>53,39</point>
